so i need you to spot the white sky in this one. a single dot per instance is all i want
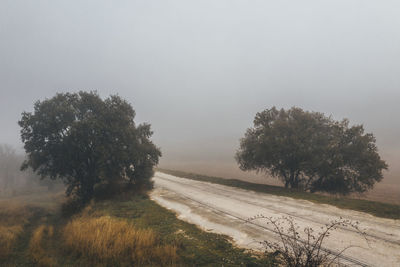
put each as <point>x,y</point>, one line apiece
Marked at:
<point>198,71</point>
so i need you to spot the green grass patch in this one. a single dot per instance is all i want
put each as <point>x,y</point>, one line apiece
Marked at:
<point>379,209</point>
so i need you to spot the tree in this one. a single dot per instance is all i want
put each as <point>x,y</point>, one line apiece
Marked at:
<point>8,167</point>
<point>311,151</point>
<point>86,141</point>
<point>12,179</point>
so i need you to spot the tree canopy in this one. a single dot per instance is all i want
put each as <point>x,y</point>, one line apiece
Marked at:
<point>310,151</point>
<point>85,141</point>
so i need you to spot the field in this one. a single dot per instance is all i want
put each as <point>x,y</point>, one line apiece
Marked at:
<point>131,229</point>
<point>127,230</point>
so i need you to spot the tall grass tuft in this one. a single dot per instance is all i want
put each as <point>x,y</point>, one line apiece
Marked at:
<point>116,241</point>
<point>37,251</point>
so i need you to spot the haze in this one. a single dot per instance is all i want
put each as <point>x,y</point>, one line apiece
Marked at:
<point>198,71</point>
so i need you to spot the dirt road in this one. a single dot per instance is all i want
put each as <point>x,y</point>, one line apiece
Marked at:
<point>223,209</point>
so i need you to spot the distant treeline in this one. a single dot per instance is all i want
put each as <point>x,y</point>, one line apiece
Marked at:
<point>13,181</point>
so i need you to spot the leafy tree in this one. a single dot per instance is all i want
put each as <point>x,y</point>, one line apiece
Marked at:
<point>86,141</point>
<point>311,151</point>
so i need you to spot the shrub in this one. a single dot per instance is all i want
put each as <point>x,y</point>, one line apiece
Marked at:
<point>294,251</point>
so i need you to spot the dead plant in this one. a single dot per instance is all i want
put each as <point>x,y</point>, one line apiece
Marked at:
<point>306,251</point>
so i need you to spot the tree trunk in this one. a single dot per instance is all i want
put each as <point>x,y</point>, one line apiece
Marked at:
<point>87,189</point>
<point>292,180</point>
<point>287,182</point>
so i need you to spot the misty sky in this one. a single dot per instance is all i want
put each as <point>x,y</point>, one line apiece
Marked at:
<point>198,71</point>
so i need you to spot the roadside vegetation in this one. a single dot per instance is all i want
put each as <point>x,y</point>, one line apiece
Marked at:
<point>378,209</point>
<point>111,240</point>
<point>304,247</point>
<point>127,230</point>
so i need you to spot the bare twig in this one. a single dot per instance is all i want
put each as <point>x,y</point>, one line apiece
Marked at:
<point>295,251</point>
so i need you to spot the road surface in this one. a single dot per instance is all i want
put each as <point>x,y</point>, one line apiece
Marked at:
<point>225,210</point>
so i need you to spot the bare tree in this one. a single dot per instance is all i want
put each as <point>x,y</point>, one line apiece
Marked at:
<point>9,166</point>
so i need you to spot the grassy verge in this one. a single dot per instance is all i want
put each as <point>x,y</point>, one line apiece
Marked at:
<point>194,247</point>
<point>378,209</point>
<point>128,230</point>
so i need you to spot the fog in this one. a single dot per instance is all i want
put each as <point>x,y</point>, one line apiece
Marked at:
<point>198,71</point>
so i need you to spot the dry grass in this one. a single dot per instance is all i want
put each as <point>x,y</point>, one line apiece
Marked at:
<point>8,237</point>
<point>17,212</point>
<point>12,218</point>
<point>37,251</point>
<point>112,240</point>
<point>12,213</point>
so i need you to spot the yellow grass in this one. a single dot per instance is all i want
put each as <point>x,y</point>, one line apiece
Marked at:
<point>8,236</point>
<point>12,219</point>
<point>113,240</point>
<point>36,245</point>
<point>13,213</point>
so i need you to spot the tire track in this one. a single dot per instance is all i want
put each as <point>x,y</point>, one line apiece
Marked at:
<point>345,258</point>
<point>211,189</point>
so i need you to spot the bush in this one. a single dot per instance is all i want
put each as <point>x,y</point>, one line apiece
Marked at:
<point>294,251</point>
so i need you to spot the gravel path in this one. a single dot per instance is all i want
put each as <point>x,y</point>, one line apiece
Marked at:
<point>223,209</point>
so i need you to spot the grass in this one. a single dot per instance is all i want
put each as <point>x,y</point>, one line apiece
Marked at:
<point>12,218</point>
<point>194,247</point>
<point>8,237</point>
<point>379,209</point>
<point>110,240</point>
<point>20,216</point>
<point>128,230</point>
<point>37,246</point>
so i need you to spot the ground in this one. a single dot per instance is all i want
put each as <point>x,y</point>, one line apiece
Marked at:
<point>42,235</point>
<point>226,209</point>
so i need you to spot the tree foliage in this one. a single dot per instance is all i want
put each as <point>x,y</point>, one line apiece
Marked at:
<point>86,141</point>
<point>311,151</point>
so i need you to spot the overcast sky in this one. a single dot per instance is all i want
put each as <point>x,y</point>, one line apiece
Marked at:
<point>198,71</point>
